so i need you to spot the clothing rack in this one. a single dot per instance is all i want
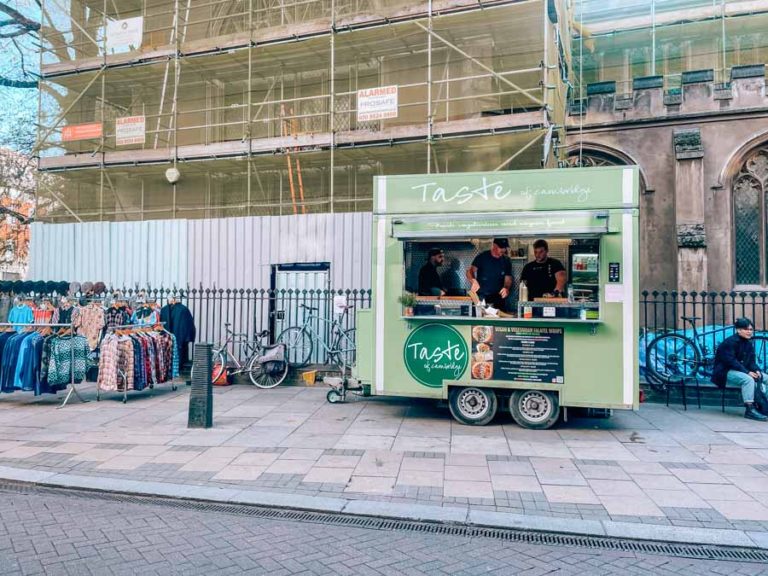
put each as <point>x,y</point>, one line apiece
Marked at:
<point>72,385</point>
<point>121,374</point>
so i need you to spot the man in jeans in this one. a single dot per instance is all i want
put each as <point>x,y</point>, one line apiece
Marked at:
<point>736,365</point>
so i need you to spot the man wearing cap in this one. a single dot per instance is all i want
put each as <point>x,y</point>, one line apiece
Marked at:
<point>430,283</point>
<point>490,275</point>
<point>736,365</point>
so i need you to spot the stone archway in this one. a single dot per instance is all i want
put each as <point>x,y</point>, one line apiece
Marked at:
<point>590,158</point>
<point>594,155</point>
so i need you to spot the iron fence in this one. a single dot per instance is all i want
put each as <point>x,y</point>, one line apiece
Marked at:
<point>249,311</point>
<point>700,322</point>
<point>663,311</point>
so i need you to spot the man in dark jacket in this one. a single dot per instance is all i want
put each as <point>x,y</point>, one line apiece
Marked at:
<point>736,365</point>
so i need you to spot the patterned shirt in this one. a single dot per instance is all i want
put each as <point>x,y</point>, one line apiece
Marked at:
<point>175,361</point>
<point>108,361</point>
<point>42,315</point>
<point>115,316</point>
<point>89,323</point>
<point>63,351</point>
<point>125,362</point>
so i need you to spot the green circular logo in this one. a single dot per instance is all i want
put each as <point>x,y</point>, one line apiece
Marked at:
<point>435,352</point>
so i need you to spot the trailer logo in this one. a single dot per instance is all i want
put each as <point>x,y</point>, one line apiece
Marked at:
<point>435,352</point>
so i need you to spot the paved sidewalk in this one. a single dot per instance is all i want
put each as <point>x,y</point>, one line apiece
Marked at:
<point>661,466</point>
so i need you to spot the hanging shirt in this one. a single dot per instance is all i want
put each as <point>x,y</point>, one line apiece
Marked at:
<point>125,362</point>
<point>42,315</point>
<point>19,315</point>
<point>26,348</point>
<point>108,361</point>
<point>89,323</point>
<point>27,366</point>
<point>145,316</point>
<point>116,316</point>
<point>65,315</point>
<point>5,308</point>
<point>175,360</point>
<point>63,351</point>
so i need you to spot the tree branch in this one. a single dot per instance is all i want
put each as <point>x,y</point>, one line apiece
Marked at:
<point>18,215</point>
<point>8,83</point>
<point>19,18</point>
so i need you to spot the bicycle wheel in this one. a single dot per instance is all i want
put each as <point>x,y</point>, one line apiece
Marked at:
<point>218,365</point>
<point>299,346</point>
<point>263,379</point>
<point>672,356</point>
<point>761,351</point>
<point>345,353</point>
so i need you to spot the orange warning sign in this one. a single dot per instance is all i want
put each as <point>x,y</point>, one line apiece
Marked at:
<point>81,132</point>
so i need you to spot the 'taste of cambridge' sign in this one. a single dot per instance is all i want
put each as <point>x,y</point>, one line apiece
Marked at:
<point>463,192</point>
<point>435,352</point>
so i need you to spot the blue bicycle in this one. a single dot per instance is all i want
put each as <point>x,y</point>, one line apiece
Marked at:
<point>684,354</point>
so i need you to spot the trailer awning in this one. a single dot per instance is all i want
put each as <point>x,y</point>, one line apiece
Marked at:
<point>568,223</point>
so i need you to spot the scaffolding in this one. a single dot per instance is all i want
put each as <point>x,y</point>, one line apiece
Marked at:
<point>257,103</point>
<point>621,40</point>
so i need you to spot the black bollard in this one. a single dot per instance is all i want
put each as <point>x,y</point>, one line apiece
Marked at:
<point>201,394</point>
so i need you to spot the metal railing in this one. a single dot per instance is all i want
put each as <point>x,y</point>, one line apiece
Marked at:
<point>662,311</point>
<point>249,311</point>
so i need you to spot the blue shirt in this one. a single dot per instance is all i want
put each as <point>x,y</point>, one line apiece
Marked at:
<point>21,314</point>
<point>27,365</point>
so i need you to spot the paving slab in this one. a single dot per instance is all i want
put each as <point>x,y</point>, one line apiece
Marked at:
<point>659,467</point>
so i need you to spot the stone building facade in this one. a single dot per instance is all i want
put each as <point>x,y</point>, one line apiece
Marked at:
<point>703,155</point>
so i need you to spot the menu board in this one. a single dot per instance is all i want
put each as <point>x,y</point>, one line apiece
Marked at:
<point>518,354</point>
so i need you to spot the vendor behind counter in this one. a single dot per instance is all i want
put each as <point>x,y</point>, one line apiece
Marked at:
<point>544,275</point>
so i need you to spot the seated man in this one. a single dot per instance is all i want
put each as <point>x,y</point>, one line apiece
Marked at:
<point>735,364</point>
<point>430,283</point>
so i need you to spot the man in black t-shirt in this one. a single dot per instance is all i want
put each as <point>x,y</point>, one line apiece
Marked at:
<point>430,283</point>
<point>544,275</point>
<point>491,275</point>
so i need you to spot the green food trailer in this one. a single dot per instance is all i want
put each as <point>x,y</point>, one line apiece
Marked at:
<point>541,357</point>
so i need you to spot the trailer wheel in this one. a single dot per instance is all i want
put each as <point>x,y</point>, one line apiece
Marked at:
<point>534,409</point>
<point>473,406</point>
<point>333,396</point>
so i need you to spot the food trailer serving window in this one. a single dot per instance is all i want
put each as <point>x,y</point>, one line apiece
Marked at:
<point>441,285</point>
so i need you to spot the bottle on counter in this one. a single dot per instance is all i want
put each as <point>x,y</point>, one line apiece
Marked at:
<point>523,292</point>
<point>570,293</point>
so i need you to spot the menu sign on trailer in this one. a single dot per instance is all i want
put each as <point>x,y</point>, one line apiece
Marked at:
<point>518,354</point>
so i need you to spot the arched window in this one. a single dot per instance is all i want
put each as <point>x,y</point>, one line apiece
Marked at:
<point>591,158</point>
<point>749,218</point>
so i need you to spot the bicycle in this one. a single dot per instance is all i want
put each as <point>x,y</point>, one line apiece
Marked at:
<point>675,356</point>
<point>253,365</point>
<point>300,340</point>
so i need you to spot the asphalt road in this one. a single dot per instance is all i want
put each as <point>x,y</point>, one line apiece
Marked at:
<point>52,533</point>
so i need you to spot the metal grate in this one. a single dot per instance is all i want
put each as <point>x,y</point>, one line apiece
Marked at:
<point>693,551</point>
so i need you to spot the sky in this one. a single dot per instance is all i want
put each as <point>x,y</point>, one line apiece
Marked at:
<point>19,106</point>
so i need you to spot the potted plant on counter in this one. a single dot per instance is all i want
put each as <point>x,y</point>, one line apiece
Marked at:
<point>408,301</point>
